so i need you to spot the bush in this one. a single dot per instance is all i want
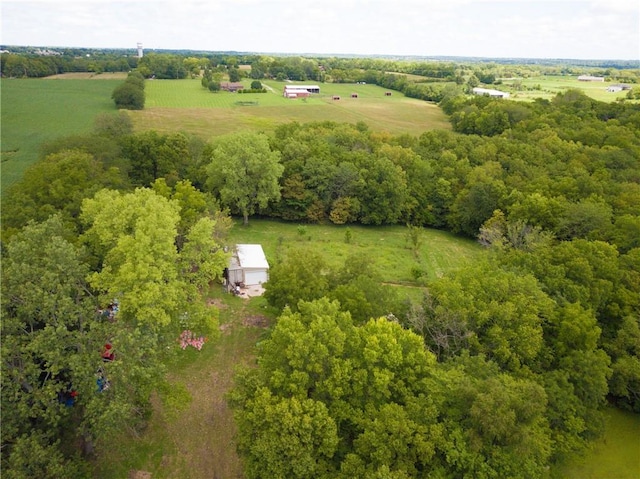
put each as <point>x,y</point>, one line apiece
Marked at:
<point>128,96</point>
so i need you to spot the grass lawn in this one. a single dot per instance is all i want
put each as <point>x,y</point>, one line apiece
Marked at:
<point>183,105</point>
<point>614,456</point>
<point>198,440</point>
<point>440,252</point>
<point>38,110</point>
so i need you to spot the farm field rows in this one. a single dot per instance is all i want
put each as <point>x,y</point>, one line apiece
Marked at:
<point>37,110</point>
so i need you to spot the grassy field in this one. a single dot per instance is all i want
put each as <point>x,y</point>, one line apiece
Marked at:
<point>37,110</point>
<point>550,86</point>
<point>614,456</point>
<point>183,105</point>
<point>198,440</point>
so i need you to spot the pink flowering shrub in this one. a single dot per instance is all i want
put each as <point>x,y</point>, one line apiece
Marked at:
<point>189,338</point>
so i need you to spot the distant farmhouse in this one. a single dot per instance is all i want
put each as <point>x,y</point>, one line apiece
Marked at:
<point>299,91</point>
<point>590,78</point>
<point>491,93</point>
<point>617,88</point>
<point>231,86</point>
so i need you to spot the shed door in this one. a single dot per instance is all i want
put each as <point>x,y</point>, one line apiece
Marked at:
<point>255,277</point>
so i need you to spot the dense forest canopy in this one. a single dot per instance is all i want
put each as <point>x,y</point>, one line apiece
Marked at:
<point>500,370</point>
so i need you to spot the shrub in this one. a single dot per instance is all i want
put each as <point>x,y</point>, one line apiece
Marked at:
<point>128,96</point>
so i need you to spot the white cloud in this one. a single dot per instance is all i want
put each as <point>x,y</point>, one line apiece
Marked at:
<point>420,27</point>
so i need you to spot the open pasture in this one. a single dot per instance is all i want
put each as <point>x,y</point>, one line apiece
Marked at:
<point>38,110</point>
<point>551,85</point>
<point>183,105</point>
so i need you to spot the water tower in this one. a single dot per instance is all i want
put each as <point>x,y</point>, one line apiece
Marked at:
<point>139,50</point>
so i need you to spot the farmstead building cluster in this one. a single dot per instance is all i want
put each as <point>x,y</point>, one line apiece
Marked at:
<point>299,91</point>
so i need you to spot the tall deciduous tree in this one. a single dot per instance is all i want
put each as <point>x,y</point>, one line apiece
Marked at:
<point>244,173</point>
<point>45,311</point>
<point>134,235</point>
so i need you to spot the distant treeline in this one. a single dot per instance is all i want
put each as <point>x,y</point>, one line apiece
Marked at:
<point>20,62</point>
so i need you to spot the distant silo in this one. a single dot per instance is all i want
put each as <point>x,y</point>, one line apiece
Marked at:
<point>139,50</point>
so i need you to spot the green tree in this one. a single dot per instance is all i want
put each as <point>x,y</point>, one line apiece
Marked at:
<point>45,313</point>
<point>113,125</point>
<point>153,155</point>
<point>381,405</point>
<point>128,96</point>
<point>486,310</point>
<point>57,184</point>
<point>133,235</point>
<point>298,276</point>
<point>244,173</point>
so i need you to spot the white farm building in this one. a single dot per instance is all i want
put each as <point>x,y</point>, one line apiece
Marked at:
<point>248,266</point>
<point>299,91</point>
<point>491,93</point>
<point>590,78</point>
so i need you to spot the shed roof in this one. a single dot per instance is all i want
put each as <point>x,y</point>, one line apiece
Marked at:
<point>251,256</point>
<point>301,87</point>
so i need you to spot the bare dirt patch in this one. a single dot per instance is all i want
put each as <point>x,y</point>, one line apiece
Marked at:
<point>139,475</point>
<point>257,321</point>
<point>217,302</point>
<point>89,76</point>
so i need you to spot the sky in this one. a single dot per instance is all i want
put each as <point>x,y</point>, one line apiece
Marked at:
<point>574,29</point>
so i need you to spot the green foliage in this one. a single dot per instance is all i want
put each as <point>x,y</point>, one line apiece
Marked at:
<point>46,352</point>
<point>244,173</point>
<point>394,410</point>
<point>153,155</point>
<point>113,125</point>
<point>133,236</point>
<point>129,96</point>
<point>298,276</point>
<point>58,184</point>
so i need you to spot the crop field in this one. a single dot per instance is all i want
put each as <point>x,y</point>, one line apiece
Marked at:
<point>183,105</point>
<point>38,110</point>
<point>550,86</point>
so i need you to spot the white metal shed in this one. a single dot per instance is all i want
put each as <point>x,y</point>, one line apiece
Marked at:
<point>248,265</point>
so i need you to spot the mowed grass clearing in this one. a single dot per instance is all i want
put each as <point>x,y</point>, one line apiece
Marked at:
<point>387,246</point>
<point>616,455</point>
<point>38,110</point>
<point>184,105</point>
